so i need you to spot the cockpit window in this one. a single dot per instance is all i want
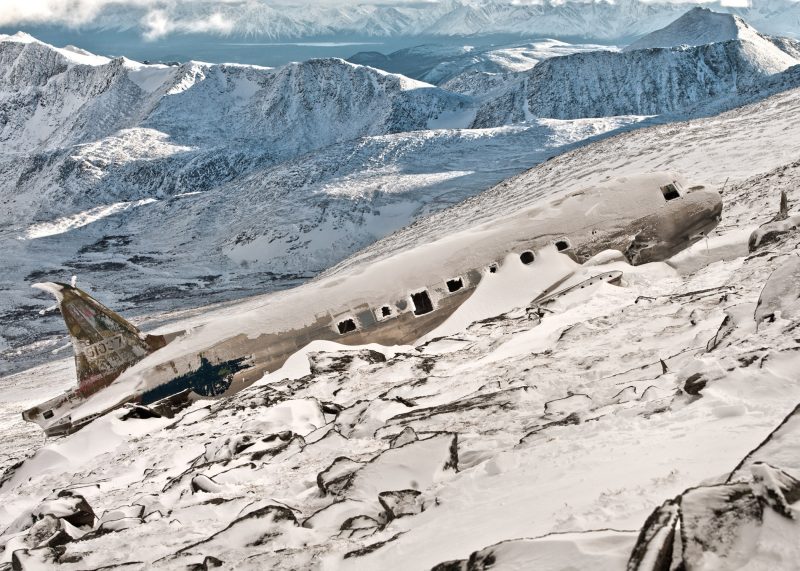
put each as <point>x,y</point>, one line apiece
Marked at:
<point>670,191</point>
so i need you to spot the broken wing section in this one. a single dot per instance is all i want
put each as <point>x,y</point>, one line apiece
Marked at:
<point>105,344</point>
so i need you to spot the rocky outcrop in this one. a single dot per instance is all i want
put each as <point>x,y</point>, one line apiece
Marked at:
<point>733,521</point>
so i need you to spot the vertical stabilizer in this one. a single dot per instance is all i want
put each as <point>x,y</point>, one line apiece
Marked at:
<point>105,344</point>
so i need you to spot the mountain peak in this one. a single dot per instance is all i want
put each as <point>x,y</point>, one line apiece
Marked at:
<point>697,27</point>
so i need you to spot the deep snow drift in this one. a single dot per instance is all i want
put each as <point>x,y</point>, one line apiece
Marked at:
<point>651,421</point>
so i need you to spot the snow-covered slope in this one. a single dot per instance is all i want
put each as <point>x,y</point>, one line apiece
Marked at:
<point>156,182</point>
<point>644,82</point>
<point>53,100</point>
<point>536,439</point>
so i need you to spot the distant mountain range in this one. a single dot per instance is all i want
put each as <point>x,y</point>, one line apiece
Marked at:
<point>607,21</point>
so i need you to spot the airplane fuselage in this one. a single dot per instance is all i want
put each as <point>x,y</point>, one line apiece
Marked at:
<point>394,301</point>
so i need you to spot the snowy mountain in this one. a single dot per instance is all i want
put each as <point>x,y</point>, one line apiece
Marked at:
<point>646,426</point>
<point>227,163</point>
<point>697,27</point>
<point>438,64</point>
<point>259,178</point>
<point>642,82</point>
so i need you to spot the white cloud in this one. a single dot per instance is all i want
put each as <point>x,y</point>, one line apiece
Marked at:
<point>158,23</point>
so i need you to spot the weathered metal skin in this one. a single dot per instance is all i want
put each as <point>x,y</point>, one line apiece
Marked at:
<point>651,219</point>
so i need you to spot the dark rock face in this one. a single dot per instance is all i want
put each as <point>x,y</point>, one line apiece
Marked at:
<point>399,503</point>
<point>29,560</point>
<point>66,505</point>
<point>335,362</point>
<point>781,294</point>
<point>773,230</point>
<point>336,477</point>
<point>726,520</point>
<point>256,528</point>
<point>694,384</point>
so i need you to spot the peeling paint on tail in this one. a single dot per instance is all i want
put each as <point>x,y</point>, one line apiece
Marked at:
<point>105,344</point>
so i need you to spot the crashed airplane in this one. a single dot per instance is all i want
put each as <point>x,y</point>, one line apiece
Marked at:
<point>395,300</point>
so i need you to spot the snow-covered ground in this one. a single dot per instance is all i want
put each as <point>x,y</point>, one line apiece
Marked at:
<point>556,431</point>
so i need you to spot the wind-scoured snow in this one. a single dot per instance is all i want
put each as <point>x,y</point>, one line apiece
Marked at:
<point>538,438</point>
<point>575,434</point>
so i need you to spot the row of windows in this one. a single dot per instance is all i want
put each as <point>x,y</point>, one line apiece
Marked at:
<point>422,301</point>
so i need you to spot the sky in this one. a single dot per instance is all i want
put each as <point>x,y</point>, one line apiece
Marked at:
<point>158,18</point>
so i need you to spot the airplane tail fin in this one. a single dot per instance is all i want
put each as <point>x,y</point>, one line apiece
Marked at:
<point>105,344</point>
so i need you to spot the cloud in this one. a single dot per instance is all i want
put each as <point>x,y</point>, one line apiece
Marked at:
<point>158,23</point>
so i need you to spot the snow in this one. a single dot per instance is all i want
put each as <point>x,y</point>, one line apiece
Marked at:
<point>530,486</point>
<point>150,77</point>
<point>697,27</point>
<point>81,219</point>
<point>533,437</point>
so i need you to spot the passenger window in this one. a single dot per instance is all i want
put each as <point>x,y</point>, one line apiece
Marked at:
<point>48,414</point>
<point>346,326</point>
<point>526,257</point>
<point>562,244</point>
<point>493,269</point>
<point>670,192</point>
<point>422,303</point>
<point>386,311</point>
<point>454,285</point>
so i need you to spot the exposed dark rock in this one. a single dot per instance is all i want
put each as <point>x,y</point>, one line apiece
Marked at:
<point>203,483</point>
<point>726,327</point>
<point>140,412</point>
<point>210,562</point>
<point>69,506</point>
<point>781,292</point>
<point>274,444</point>
<point>399,503</point>
<point>404,437</point>
<point>370,548</point>
<point>47,532</point>
<point>339,362</point>
<point>334,478</point>
<point>36,559</point>
<point>656,539</point>
<point>694,384</point>
<point>721,520</point>
<point>251,530</point>
<point>773,230</point>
